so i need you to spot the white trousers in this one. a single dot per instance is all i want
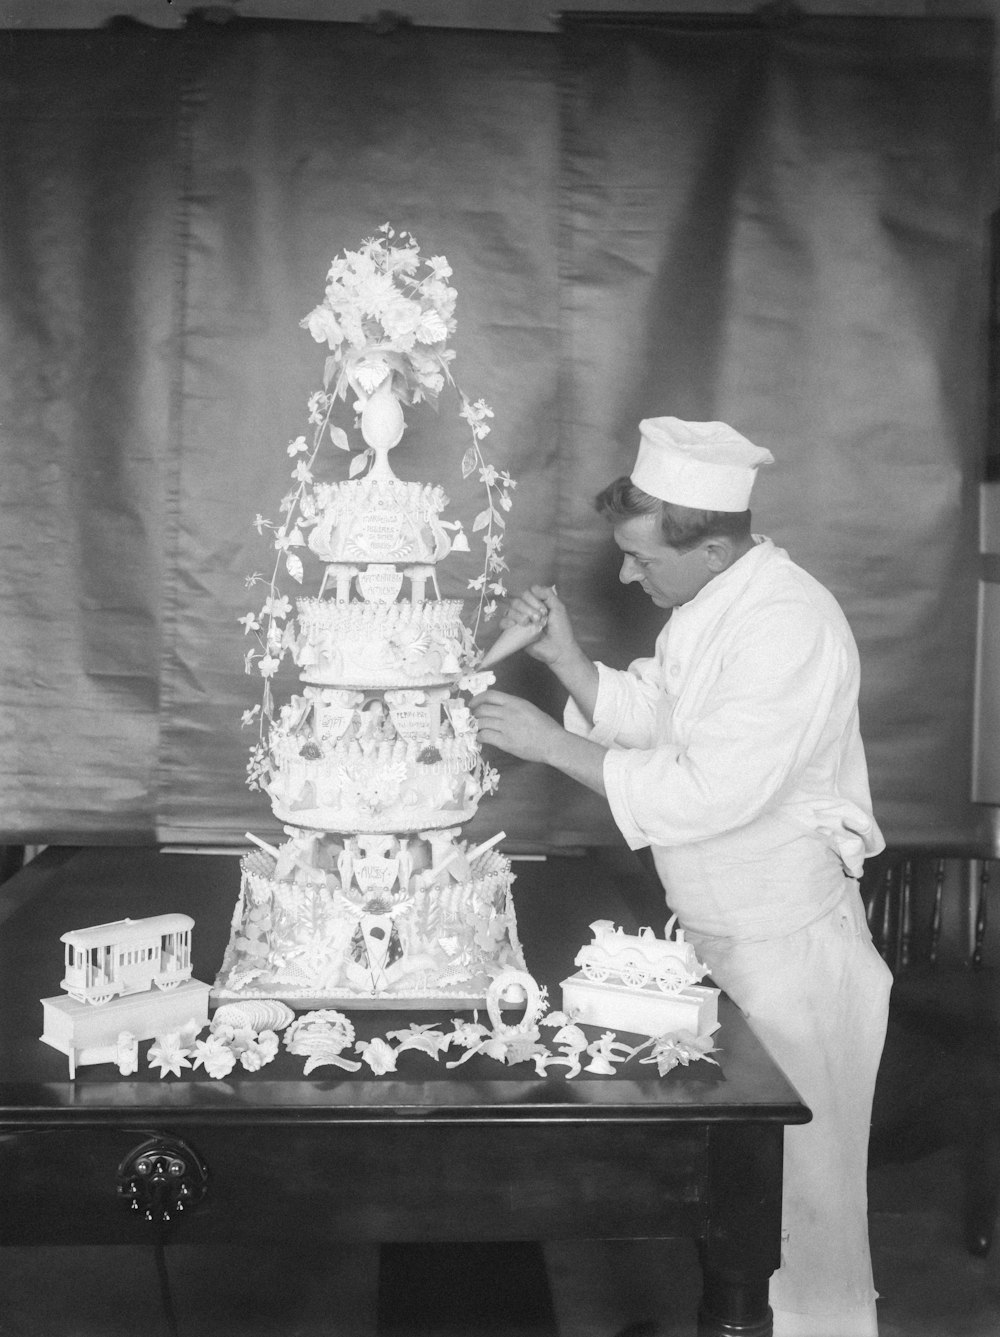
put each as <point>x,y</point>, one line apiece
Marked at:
<point>818,999</point>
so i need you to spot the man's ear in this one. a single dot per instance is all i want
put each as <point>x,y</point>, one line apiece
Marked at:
<point>719,553</point>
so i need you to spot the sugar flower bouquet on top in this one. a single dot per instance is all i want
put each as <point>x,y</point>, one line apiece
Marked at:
<point>386,317</point>
<point>386,312</point>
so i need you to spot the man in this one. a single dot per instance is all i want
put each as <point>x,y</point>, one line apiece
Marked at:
<point>735,753</point>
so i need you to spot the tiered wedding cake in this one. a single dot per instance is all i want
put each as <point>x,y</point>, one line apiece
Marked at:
<point>373,765</point>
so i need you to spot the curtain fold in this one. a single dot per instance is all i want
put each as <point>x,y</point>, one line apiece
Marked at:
<point>307,139</point>
<point>782,227</point>
<point>88,186</point>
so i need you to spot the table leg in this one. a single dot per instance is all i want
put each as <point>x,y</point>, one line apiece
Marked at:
<point>742,1242</point>
<point>732,1307</point>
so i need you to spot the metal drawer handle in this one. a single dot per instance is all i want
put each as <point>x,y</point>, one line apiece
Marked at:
<point>161,1177</point>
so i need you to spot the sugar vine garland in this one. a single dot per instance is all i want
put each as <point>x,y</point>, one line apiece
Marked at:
<point>381,318</point>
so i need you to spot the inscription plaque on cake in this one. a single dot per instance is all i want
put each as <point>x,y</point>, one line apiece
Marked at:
<point>380,584</point>
<point>417,724</point>
<point>375,875</point>
<point>382,534</point>
<point>332,722</point>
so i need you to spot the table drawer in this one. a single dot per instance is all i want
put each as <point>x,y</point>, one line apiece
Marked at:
<point>384,1181</point>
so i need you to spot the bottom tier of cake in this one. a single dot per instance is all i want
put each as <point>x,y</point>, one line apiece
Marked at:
<point>371,921</point>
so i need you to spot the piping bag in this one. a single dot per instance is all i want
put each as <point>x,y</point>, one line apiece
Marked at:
<point>511,640</point>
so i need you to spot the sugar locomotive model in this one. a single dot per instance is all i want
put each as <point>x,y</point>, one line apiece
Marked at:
<point>636,959</point>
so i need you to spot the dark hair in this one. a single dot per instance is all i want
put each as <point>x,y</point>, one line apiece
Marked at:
<point>681,527</point>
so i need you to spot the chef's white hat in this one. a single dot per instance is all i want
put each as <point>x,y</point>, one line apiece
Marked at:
<point>705,465</point>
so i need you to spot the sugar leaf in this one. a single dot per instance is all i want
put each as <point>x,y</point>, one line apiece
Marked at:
<point>358,463</point>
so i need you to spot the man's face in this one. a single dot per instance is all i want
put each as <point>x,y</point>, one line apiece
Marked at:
<point>669,577</point>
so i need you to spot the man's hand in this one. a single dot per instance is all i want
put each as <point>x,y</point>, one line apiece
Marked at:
<point>515,725</point>
<point>525,731</point>
<point>556,645</point>
<point>541,607</point>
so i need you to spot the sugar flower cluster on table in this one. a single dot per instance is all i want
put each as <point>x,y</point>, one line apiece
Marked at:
<point>240,1033</point>
<point>326,1037</point>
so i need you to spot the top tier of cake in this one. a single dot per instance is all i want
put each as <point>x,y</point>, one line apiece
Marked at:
<point>380,520</point>
<point>360,644</point>
<point>371,626</point>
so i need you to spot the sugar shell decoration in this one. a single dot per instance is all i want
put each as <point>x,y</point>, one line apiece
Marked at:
<point>322,1036</point>
<point>256,1014</point>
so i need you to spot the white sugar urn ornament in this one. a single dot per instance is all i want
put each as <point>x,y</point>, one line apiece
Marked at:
<point>382,426</point>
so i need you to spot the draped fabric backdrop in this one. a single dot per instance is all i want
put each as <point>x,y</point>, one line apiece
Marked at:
<point>779,226</point>
<point>785,230</point>
<point>90,196</point>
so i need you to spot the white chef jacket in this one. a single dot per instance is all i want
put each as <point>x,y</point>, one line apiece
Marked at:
<point>735,753</point>
<point>741,729</point>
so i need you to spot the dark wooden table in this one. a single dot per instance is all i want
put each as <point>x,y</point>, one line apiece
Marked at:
<point>483,1152</point>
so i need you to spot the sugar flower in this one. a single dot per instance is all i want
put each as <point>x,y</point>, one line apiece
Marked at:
<point>425,1038</point>
<point>466,1034</point>
<point>168,1054</point>
<point>215,1056</point>
<point>378,1054</point>
<point>681,1048</point>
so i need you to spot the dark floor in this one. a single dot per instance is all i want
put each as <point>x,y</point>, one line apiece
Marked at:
<point>929,1284</point>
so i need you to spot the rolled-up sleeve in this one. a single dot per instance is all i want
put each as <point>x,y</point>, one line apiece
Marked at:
<point>761,722</point>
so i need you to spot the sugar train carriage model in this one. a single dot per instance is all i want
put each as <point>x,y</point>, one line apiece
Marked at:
<point>128,956</point>
<point>636,959</point>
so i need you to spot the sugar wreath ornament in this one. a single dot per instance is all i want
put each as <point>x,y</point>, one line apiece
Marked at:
<point>506,1043</point>
<point>506,987</point>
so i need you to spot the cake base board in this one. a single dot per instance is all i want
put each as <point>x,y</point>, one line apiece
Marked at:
<point>641,1011</point>
<point>468,1000</point>
<point>434,822</point>
<point>408,685</point>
